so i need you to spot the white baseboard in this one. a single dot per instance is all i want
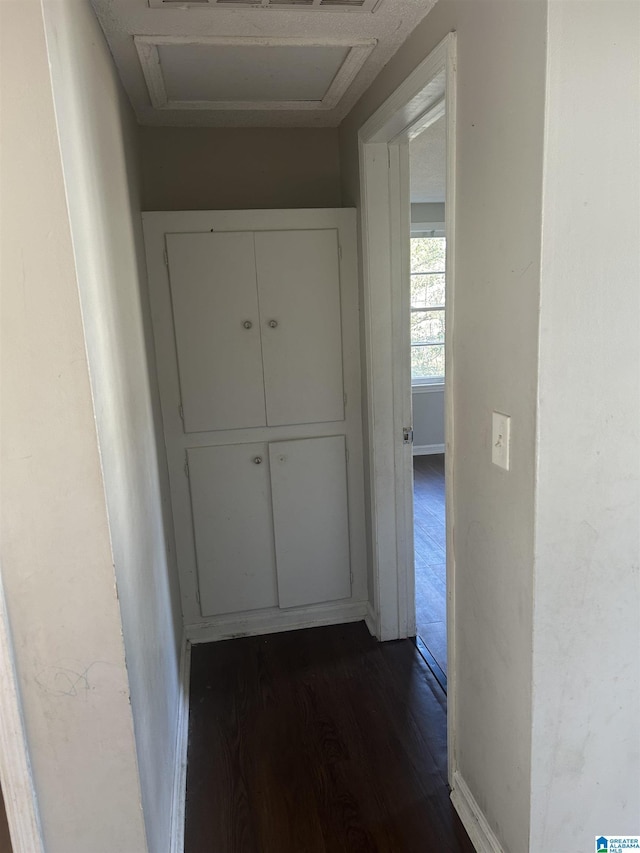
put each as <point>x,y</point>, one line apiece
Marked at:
<point>478,829</point>
<point>371,620</point>
<point>427,449</point>
<point>272,621</point>
<point>182,737</point>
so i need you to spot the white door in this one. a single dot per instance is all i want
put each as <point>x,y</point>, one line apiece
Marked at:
<point>299,287</point>
<point>311,520</point>
<point>217,330</point>
<point>233,527</point>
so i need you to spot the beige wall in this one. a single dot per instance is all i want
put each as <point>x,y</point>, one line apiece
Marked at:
<point>501,90</point>
<point>239,168</point>
<point>99,148</point>
<point>57,562</point>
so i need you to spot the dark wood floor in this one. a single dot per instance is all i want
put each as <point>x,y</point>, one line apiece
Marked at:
<point>5,840</point>
<point>430,554</point>
<point>317,741</point>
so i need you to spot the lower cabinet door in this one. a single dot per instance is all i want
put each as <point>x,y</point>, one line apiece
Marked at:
<point>311,523</point>
<point>233,527</point>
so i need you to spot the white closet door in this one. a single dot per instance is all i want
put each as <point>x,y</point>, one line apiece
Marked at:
<point>309,493</point>
<point>217,330</point>
<point>299,287</point>
<point>233,527</point>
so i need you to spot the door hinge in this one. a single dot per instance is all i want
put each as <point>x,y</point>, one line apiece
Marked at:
<point>407,435</point>
<point>181,413</point>
<point>340,251</point>
<point>165,257</point>
<point>186,468</point>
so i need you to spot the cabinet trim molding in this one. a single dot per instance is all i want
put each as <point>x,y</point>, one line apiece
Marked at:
<point>256,622</point>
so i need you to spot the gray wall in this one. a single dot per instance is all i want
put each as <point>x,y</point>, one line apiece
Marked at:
<point>547,584</point>
<point>432,211</point>
<point>501,73</point>
<point>239,168</point>
<point>428,419</point>
<point>100,158</point>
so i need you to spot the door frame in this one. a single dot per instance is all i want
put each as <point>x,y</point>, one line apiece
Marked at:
<point>386,230</point>
<point>16,778</point>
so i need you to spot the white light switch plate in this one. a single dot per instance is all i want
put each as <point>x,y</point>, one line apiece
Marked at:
<point>501,440</point>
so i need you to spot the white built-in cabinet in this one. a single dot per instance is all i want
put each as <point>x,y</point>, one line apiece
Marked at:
<point>255,323</point>
<point>257,327</point>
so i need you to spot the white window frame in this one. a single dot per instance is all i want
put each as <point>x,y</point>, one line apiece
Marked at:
<point>428,229</point>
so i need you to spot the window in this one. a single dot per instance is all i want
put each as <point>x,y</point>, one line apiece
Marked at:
<point>427,308</point>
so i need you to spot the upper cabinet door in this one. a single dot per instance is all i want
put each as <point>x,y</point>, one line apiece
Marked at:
<point>299,285</point>
<point>217,330</point>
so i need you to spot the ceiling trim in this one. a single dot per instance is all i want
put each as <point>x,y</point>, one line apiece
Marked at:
<point>147,48</point>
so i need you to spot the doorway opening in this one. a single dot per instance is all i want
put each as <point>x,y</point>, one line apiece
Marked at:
<point>427,273</point>
<point>428,94</point>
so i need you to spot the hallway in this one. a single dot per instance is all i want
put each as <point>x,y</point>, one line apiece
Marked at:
<point>317,741</point>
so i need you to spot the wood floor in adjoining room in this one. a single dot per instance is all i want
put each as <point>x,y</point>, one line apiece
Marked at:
<point>317,741</point>
<point>430,554</point>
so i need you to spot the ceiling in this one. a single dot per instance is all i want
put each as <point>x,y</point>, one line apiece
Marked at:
<point>252,63</point>
<point>428,162</point>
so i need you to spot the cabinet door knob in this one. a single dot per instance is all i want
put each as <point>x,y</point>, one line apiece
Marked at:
<point>273,323</point>
<point>257,460</point>
<point>247,324</point>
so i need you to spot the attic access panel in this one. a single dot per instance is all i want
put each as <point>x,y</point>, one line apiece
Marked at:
<point>297,5</point>
<point>229,73</point>
<point>225,73</point>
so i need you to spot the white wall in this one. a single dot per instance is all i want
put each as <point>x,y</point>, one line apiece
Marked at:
<point>99,147</point>
<point>586,675</point>
<point>501,76</point>
<point>57,563</point>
